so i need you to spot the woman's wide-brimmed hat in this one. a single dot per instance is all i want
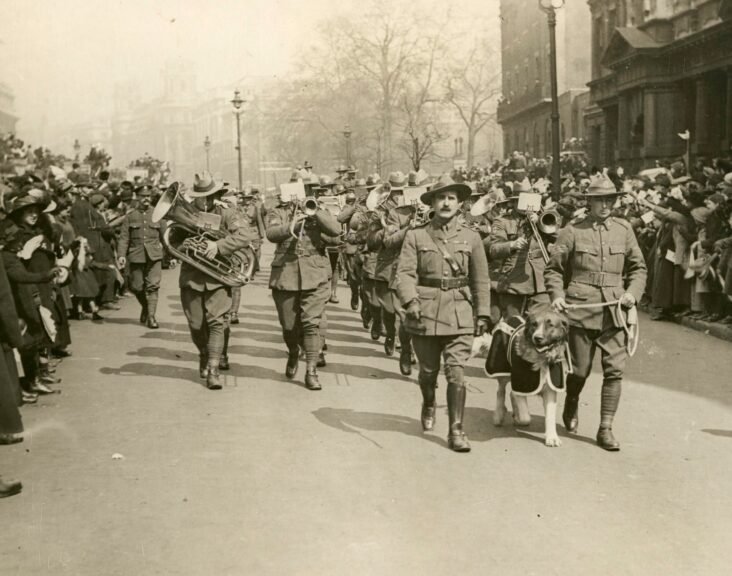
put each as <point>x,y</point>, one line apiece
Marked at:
<point>205,185</point>
<point>446,184</point>
<point>20,202</point>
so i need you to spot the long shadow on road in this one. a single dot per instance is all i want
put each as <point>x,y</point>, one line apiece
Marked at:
<point>355,422</point>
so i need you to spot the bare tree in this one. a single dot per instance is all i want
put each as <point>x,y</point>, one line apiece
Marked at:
<point>420,109</point>
<point>471,87</point>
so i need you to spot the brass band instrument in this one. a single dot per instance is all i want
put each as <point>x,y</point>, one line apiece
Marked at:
<point>187,240</point>
<point>547,224</point>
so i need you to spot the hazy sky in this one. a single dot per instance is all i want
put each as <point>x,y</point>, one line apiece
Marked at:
<point>63,58</point>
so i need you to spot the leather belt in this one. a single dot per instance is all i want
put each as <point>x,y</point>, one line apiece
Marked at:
<point>599,279</point>
<point>444,283</point>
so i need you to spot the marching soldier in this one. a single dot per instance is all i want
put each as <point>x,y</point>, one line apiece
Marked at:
<point>386,262</point>
<point>140,246</point>
<point>206,301</point>
<point>252,219</point>
<point>595,262</point>
<point>520,278</point>
<point>443,283</point>
<point>300,281</point>
<point>352,214</point>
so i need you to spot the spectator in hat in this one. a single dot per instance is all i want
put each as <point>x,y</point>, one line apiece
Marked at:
<point>100,237</point>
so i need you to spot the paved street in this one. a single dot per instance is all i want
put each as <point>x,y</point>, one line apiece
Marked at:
<point>267,478</point>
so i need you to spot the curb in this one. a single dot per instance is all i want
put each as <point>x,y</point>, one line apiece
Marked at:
<point>721,331</point>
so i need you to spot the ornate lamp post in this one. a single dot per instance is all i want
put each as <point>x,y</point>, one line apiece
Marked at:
<point>238,102</point>
<point>550,7</point>
<point>77,149</point>
<point>347,135</point>
<point>207,147</point>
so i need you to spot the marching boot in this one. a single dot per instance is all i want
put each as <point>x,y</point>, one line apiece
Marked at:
<point>354,298</point>
<point>293,361</point>
<point>142,299</point>
<point>321,360</point>
<point>389,321</point>
<point>293,354</point>
<point>405,355</point>
<point>608,407</point>
<point>365,312</point>
<point>312,343</point>
<point>311,379</point>
<point>224,362</point>
<point>570,414</point>
<point>152,306</point>
<point>456,395</point>
<point>212,380</point>
<point>203,365</point>
<point>235,302</point>
<point>429,404</point>
<point>375,322</point>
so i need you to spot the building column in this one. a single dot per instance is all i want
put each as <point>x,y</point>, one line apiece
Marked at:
<point>624,126</point>
<point>660,123</point>
<point>701,137</point>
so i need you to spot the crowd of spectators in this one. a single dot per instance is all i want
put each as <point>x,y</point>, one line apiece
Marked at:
<point>58,263</point>
<point>682,219</point>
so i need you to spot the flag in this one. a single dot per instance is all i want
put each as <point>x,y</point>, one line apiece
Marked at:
<point>684,135</point>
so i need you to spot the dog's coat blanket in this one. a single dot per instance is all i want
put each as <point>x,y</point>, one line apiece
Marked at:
<point>503,360</point>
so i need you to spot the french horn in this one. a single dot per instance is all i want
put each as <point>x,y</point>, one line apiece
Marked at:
<point>186,239</point>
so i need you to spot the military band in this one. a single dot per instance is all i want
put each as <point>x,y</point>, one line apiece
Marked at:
<point>443,270</point>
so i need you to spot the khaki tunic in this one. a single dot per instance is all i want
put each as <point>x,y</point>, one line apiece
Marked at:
<point>140,239</point>
<point>300,264</point>
<point>421,258</point>
<point>594,262</point>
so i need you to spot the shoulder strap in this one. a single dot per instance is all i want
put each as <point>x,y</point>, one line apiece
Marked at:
<point>457,270</point>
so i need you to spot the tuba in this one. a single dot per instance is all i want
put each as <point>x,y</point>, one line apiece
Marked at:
<point>186,239</point>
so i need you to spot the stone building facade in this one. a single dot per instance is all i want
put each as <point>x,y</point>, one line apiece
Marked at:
<point>525,108</point>
<point>659,68</point>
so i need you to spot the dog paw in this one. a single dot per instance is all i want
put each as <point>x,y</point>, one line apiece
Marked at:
<point>552,441</point>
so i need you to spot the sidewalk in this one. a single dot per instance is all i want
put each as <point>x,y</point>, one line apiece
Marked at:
<point>716,329</point>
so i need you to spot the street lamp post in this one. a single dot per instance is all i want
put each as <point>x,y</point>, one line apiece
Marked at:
<point>550,7</point>
<point>207,147</point>
<point>237,102</point>
<point>77,149</point>
<point>347,135</point>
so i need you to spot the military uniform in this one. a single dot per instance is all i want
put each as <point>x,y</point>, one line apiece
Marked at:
<point>368,279</point>
<point>350,216</point>
<point>140,242</point>
<point>444,268</point>
<point>519,283</point>
<point>300,282</point>
<point>594,262</point>
<point>251,218</point>
<point>387,257</point>
<point>206,302</point>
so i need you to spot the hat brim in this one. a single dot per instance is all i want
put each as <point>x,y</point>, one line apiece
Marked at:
<point>218,187</point>
<point>463,191</point>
